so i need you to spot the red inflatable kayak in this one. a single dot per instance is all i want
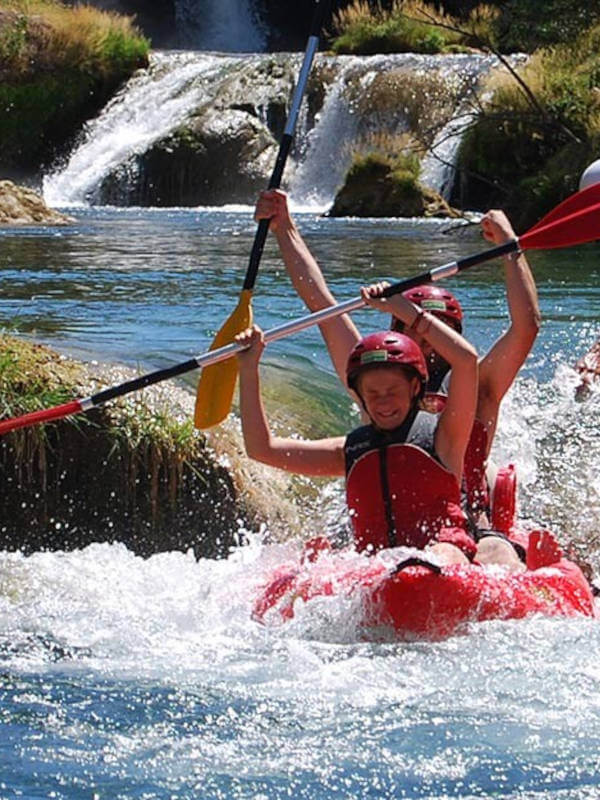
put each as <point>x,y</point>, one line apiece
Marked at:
<point>416,598</point>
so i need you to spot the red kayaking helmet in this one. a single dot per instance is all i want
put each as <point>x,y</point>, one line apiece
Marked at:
<point>386,348</point>
<point>437,301</point>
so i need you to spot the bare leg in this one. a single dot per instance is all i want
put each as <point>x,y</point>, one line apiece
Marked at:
<point>493,550</point>
<point>448,553</point>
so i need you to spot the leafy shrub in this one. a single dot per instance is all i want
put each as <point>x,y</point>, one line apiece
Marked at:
<point>549,127</point>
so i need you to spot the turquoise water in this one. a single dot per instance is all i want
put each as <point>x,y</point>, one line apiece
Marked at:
<point>124,678</point>
<point>151,287</point>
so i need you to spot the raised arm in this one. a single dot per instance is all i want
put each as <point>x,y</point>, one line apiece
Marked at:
<point>323,457</point>
<point>456,420</point>
<point>340,334</point>
<point>500,366</point>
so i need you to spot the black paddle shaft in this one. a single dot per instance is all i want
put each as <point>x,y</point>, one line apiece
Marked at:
<point>321,8</point>
<point>435,274</point>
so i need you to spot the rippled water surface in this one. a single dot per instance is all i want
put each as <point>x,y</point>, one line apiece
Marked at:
<point>130,678</point>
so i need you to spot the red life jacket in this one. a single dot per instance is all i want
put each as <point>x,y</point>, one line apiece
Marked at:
<point>475,485</point>
<point>397,491</point>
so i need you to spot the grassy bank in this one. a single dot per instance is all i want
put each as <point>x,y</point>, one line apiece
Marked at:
<point>409,26</point>
<point>426,26</point>
<point>534,130</point>
<point>533,138</point>
<point>135,471</point>
<point>58,66</point>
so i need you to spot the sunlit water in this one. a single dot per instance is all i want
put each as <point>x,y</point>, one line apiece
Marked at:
<point>130,678</point>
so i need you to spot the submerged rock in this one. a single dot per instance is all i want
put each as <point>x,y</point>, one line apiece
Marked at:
<point>20,205</point>
<point>135,471</point>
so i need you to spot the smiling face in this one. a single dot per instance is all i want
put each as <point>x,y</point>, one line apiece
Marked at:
<point>388,394</point>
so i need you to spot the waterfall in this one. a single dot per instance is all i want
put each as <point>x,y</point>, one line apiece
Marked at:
<point>347,120</point>
<point>360,98</point>
<point>221,25</point>
<point>438,167</point>
<point>328,145</point>
<point>149,107</point>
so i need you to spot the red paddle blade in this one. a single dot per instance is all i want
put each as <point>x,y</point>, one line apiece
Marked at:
<point>575,202</point>
<point>576,228</point>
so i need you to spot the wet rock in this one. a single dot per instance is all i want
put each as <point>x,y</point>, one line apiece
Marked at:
<point>225,153</point>
<point>20,205</point>
<point>224,158</point>
<point>134,471</point>
<point>375,187</point>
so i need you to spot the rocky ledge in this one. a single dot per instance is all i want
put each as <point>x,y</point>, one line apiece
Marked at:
<point>20,205</point>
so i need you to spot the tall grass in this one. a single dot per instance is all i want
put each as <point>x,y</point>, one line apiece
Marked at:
<point>549,125</point>
<point>408,26</point>
<point>58,66</point>
<point>82,38</point>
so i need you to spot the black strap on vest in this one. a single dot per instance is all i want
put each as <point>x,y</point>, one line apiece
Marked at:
<point>415,561</point>
<point>383,440</point>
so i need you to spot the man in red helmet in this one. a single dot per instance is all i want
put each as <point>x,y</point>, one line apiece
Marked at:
<point>497,369</point>
<point>403,468</point>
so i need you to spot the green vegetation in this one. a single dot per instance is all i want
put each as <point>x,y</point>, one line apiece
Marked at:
<point>134,471</point>
<point>409,26</point>
<point>526,25</point>
<point>370,26</point>
<point>30,379</point>
<point>531,142</point>
<point>384,185</point>
<point>58,66</point>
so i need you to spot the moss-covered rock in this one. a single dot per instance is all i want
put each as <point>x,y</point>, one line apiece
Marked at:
<point>380,186</point>
<point>135,471</point>
<point>20,205</point>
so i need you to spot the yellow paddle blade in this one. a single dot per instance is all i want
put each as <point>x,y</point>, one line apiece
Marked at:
<point>217,382</point>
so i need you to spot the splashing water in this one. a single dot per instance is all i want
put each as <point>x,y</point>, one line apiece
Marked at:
<point>132,678</point>
<point>554,439</point>
<point>125,678</point>
<point>150,106</point>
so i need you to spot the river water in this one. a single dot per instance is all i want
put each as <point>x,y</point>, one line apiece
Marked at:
<point>125,678</point>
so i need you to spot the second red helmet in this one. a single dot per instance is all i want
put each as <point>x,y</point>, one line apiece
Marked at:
<point>437,301</point>
<point>386,347</point>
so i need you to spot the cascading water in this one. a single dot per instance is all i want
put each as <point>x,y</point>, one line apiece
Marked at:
<point>360,103</point>
<point>350,121</point>
<point>152,104</point>
<point>229,26</point>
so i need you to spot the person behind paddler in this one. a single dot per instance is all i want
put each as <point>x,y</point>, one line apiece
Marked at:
<point>588,366</point>
<point>497,369</point>
<point>403,468</point>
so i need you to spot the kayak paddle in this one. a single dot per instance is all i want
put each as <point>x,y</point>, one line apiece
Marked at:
<point>575,202</point>
<point>217,384</point>
<point>571,228</point>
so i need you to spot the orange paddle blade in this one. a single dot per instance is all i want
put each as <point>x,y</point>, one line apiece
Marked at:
<point>217,382</point>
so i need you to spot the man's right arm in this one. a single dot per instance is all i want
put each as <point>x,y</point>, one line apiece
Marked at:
<point>340,333</point>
